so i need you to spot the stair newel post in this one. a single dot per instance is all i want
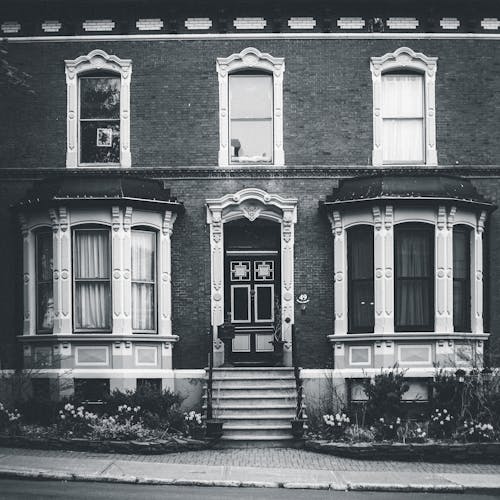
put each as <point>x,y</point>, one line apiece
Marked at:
<point>210,374</point>
<point>298,421</point>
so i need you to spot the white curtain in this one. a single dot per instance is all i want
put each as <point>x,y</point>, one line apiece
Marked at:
<point>92,287</point>
<point>403,118</point>
<point>143,280</point>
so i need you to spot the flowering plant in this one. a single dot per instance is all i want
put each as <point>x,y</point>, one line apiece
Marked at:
<point>442,423</point>
<point>75,421</point>
<point>116,427</point>
<point>9,420</point>
<point>386,429</point>
<point>476,431</point>
<point>336,425</point>
<point>194,423</point>
<point>128,413</point>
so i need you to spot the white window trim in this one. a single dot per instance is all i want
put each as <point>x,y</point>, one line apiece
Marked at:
<point>251,58</point>
<point>97,60</point>
<point>405,58</point>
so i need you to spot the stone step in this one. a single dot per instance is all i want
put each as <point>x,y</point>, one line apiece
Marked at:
<point>251,383</point>
<point>257,425</point>
<point>263,413</point>
<point>253,393</point>
<point>252,433</point>
<point>253,374</point>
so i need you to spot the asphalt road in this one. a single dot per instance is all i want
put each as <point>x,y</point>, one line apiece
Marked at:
<point>13,489</point>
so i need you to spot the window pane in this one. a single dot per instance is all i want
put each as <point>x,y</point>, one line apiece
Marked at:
<point>402,96</point>
<point>99,97</point>
<point>461,279</point>
<point>100,142</point>
<point>45,306</point>
<point>251,96</point>
<point>92,306</point>
<point>91,254</point>
<point>143,255</point>
<point>44,257</point>
<point>403,140</point>
<point>252,140</point>
<point>361,281</point>
<point>143,296</point>
<point>414,294</point>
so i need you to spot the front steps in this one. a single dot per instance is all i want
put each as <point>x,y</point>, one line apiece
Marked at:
<point>256,405</point>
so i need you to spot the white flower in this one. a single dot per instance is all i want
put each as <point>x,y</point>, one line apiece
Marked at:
<point>441,423</point>
<point>390,426</point>
<point>445,411</point>
<point>447,418</point>
<point>381,419</point>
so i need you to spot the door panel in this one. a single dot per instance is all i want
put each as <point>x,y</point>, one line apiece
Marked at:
<point>241,342</point>
<point>240,304</point>
<point>264,303</point>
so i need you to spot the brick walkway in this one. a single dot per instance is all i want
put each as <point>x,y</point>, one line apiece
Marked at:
<point>272,458</point>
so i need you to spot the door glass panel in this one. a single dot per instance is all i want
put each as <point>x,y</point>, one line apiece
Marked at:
<point>240,299</point>
<point>264,309</point>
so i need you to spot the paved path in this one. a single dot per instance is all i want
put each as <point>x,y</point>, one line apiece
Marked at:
<point>252,467</point>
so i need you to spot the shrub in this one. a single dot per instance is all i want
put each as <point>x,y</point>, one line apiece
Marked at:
<point>9,419</point>
<point>75,421</point>
<point>386,430</point>
<point>476,431</point>
<point>39,411</point>
<point>385,393</point>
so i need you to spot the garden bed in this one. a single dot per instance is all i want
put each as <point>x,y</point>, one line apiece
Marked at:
<point>428,452</point>
<point>154,447</point>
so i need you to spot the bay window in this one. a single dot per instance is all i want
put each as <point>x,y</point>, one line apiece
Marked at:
<point>92,280</point>
<point>414,277</point>
<point>461,279</point>
<point>44,283</point>
<point>143,281</point>
<point>360,275</point>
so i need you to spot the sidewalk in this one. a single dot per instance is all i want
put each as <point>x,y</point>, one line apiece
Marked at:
<point>279,468</point>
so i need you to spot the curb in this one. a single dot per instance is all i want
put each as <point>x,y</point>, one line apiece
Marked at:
<point>42,475</point>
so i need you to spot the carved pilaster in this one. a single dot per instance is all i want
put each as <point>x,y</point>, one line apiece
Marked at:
<point>477,278</point>
<point>379,265</point>
<point>388,275</point>
<point>164,273</point>
<point>287,281</point>
<point>339,273</point>
<point>63,291</point>
<point>443,239</point>
<point>29,292</point>
<point>217,270</point>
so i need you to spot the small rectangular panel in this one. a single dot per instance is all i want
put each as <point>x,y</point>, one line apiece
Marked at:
<point>304,23</point>
<point>146,356</point>
<point>240,303</point>
<point>264,303</point>
<point>98,25</point>
<point>360,355</point>
<point>155,24</point>
<point>402,23</point>
<point>92,355</point>
<point>351,23</point>
<point>414,354</point>
<point>43,357</point>
<point>51,26</point>
<point>249,23</point>
<point>263,270</point>
<point>263,342</point>
<point>241,342</point>
<point>464,355</point>
<point>240,270</point>
<point>449,23</point>
<point>198,23</point>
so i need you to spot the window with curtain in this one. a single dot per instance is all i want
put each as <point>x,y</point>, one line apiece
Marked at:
<point>44,287</point>
<point>360,276</point>
<point>92,280</point>
<point>461,279</point>
<point>143,281</point>
<point>403,131</point>
<point>414,277</point>
<point>99,119</point>
<point>251,117</point>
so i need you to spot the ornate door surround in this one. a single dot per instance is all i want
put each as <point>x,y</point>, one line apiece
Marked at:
<point>252,203</point>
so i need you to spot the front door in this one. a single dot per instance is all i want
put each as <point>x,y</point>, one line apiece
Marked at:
<point>252,301</point>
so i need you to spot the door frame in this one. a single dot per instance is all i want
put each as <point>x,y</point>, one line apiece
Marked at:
<point>252,203</point>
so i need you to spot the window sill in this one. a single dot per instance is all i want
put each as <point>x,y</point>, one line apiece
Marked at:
<point>97,337</point>
<point>97,165</point>
<point>365,337</point>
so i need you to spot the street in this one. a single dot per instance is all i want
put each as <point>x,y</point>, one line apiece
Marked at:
<point>13,489</point>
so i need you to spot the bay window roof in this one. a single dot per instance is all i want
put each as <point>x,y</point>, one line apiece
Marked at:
<point>406,187</point>
<point>112,189</point>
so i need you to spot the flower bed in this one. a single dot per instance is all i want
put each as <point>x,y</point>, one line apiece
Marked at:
<point>428,452</point>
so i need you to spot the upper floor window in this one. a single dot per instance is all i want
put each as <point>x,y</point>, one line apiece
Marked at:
<point>250,108</point>
<point>92,280</point>
<point>414,272</point>
<point>251,117</point>
<point>98,114</point>
<point>44,286</point>
<point>404,121</point>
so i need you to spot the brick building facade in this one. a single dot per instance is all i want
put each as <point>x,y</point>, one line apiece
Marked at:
<point>166,164</point>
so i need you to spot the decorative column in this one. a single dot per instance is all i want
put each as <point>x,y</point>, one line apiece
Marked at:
<point>339,267</point>
<point>449,269</point>
<point>122,265</point>
<point>165,277</point>
<point>63,322</point>
<point>29,278</point>
<point>477,278</point>
<point>443,270</point>
<point>287,281</point>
